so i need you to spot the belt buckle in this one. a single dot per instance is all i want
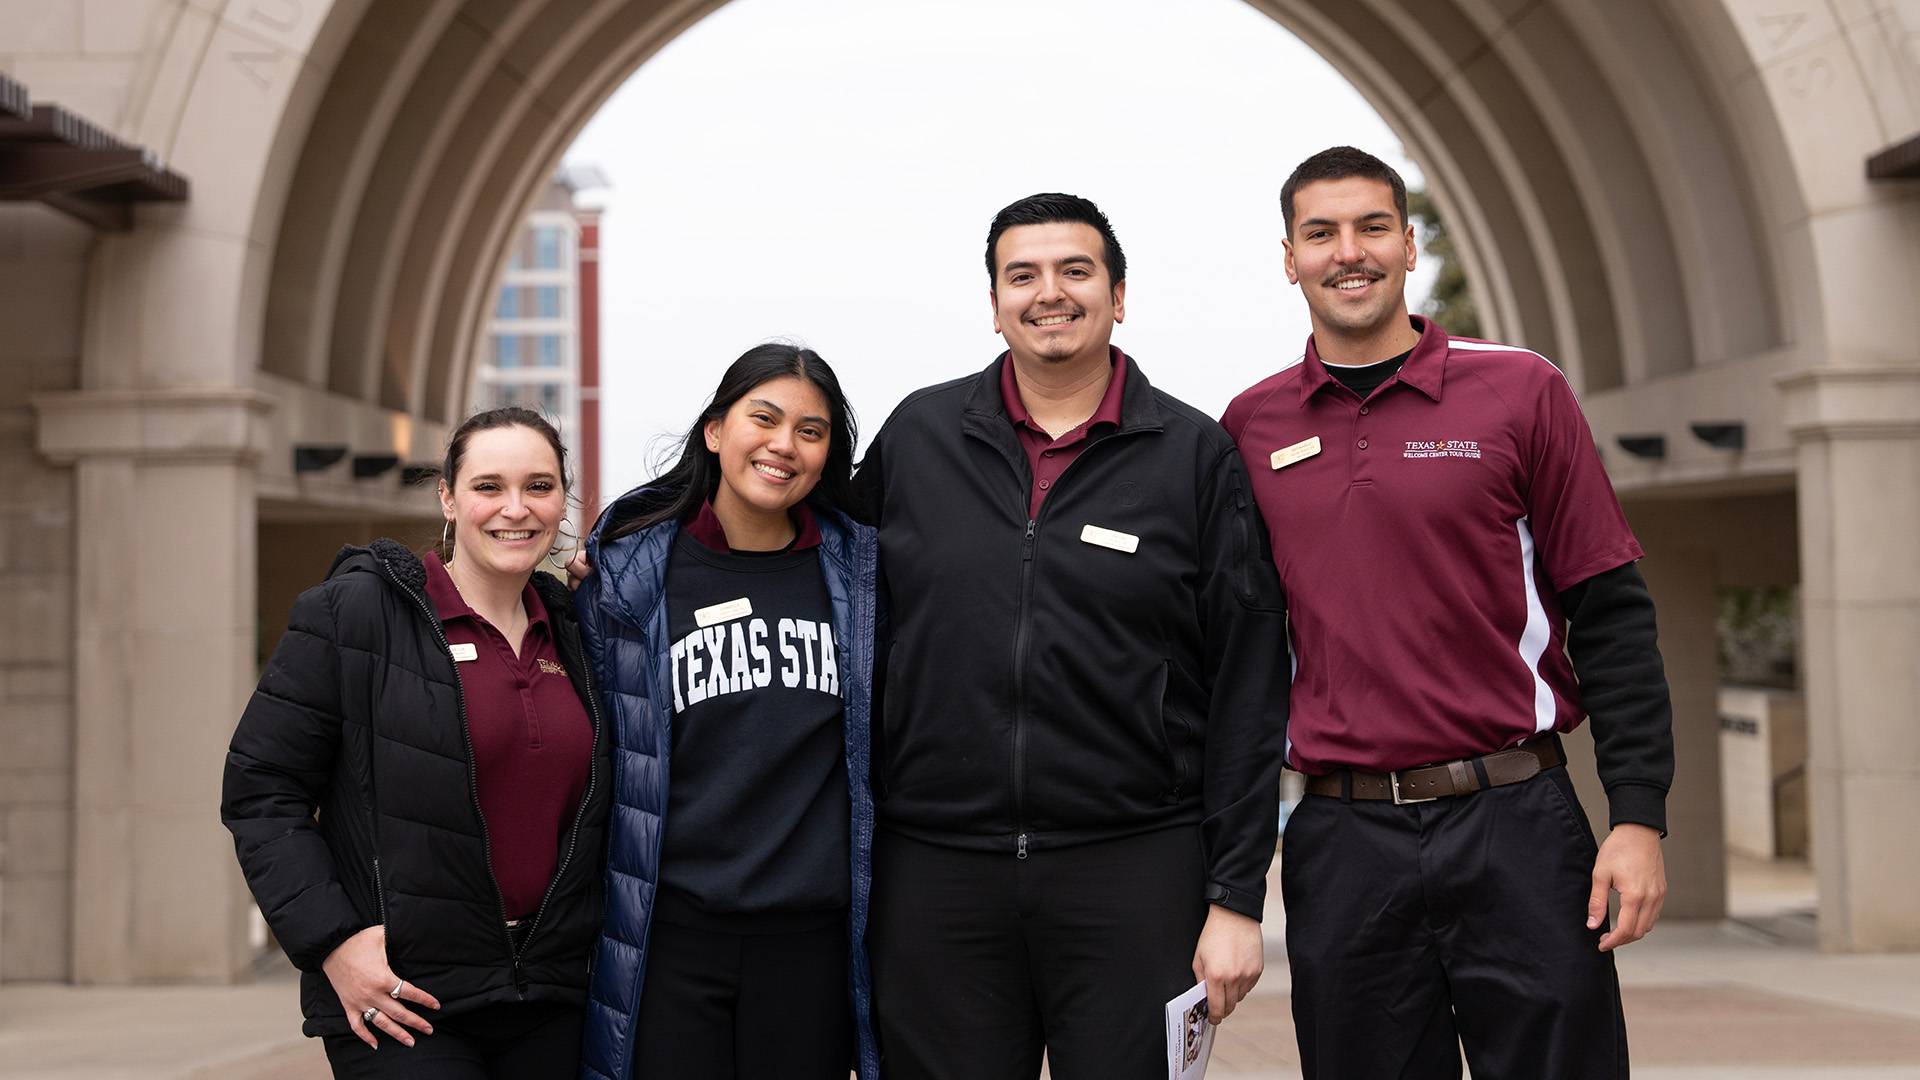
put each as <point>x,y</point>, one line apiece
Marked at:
<point>1393,779</point>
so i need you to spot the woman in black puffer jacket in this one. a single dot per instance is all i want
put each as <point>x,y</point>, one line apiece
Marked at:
<point>439,717</point>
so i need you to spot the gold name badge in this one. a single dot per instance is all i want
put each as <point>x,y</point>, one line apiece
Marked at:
<point>727,612</point>
<point>1299,451</point>
<point>1110,538</point>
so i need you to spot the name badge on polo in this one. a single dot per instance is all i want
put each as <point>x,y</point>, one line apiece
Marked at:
<point>1299,451</point>
<point>1109,538</point>
<point>719,613</point>
<point>465,650</point>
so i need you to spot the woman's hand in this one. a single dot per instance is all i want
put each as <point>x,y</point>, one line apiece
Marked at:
<point>578,568</point>
<point>358,970</point>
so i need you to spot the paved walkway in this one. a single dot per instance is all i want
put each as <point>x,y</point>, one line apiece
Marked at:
<point>1747,999</point>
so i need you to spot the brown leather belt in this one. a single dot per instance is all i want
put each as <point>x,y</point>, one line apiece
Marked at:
<point>1430,782</point>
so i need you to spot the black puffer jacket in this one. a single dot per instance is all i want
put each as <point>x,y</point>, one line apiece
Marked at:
<point>360,716</point>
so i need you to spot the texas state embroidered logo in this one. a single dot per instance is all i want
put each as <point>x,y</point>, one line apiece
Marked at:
<point>1442,448</point>
<point>552,668</point>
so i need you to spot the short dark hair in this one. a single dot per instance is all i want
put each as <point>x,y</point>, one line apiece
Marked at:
<point>1339,163</point>
<point>1046,209</point>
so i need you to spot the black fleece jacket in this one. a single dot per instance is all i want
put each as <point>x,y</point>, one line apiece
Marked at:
<point>1042,688</point>
<point>359,716</point>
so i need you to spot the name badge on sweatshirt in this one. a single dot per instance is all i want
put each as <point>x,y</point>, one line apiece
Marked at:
<point>1108,538</point>
<point>719,613</point>
<point>1299,451</point>
<point>465,650</point>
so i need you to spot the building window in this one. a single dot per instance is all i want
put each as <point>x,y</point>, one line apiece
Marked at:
<point>506,351</point>
<point>546,247</point>
<point>509,306</point>
<point>549,351</point>
<point>547,301</point>
<point>550,400</point>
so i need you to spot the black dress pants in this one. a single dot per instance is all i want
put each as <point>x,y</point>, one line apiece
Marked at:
<point>768,1006</point>
<point>1415,931</point>
<point>982,960</point>
<point>511,1041</point>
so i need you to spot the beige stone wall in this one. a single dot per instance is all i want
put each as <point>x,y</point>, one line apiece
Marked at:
<point>42,279</point>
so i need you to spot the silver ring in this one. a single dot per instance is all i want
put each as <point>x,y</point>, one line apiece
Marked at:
<point>366,1017</point>
<point>395,992</point>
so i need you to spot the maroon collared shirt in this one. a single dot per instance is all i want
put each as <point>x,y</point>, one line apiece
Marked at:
<point>1048,457</point>
<point>1424,546</point>
<point>532,738</point>
<point>706,528</point>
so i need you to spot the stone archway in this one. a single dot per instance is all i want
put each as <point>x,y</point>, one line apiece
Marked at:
<point>1647,191</point>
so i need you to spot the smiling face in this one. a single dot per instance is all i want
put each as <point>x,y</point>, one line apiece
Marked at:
<point>772,445</point>
<point>1350,254</point>
<point>507,502</point>
<point>1053,299</point>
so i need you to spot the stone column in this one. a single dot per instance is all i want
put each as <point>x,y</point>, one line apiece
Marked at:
<point>1681,578</point>
<point>164,655</point>
<point>1858,434</point>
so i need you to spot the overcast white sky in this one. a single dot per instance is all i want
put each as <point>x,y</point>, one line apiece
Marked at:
<point>825,170</point>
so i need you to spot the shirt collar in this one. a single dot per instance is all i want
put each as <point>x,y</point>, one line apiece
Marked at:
<point>1424,370</point>
<point>706,528</point>
<point>1107,412</point>
<point>449,604</point>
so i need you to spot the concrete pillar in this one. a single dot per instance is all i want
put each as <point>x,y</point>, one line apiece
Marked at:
<point>1858,432</point>
<point>42,281</point>
<point>1681,579</point>
<point>163,626</point>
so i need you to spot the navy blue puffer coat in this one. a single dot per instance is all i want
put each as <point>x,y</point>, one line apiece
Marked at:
<point>623,612</point>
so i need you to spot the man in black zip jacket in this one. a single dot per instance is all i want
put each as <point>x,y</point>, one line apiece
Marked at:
<point>1084,695</point>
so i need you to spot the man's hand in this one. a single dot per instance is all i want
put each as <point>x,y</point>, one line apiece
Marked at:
<point>1630,863</point>
<point>1228,959</point>
<point>578,568</point>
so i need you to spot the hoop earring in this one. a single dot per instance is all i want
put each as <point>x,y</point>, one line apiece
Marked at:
<point>446,543</point>
<point>556,549</point>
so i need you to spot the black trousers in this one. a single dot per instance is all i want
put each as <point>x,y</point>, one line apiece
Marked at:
<point>1416,931</point>
<point>981,960</point>
<point>511,1041</point>
<point>716,1005</point>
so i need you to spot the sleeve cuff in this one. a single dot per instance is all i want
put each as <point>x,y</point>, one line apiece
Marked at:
<point>1236,900</point>
<point>1637,804</point>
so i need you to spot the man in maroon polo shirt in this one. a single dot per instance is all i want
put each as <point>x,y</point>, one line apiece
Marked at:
<point>1447,536</point>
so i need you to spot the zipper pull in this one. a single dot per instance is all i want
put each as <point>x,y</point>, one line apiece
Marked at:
<point>1022,852</point>
<point>1026,550</point>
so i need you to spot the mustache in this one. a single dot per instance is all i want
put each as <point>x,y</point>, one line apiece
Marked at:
<point>1367,272</point>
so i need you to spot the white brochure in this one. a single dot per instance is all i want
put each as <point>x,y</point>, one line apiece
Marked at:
<point>1189,1036</point>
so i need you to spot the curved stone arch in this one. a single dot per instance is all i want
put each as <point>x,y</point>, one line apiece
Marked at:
<point>1540,140</point>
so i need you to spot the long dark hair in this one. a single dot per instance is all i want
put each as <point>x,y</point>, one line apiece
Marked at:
<point>677,493</point>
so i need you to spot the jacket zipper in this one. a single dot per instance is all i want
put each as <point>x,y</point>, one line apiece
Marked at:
<point>580,813</point>
<point>1020,688</point>
<point>473,781</point>
<point>1023,615</point>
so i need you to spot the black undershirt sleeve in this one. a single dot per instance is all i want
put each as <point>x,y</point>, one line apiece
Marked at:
<point>1623,687</point>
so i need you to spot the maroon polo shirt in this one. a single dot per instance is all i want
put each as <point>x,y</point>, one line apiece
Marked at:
<point>532,739</point>
<point>1424,546</point>
<point>706,528</point>
<point>1048,457</point>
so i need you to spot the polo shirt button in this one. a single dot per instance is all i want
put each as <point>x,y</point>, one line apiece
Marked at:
<point>1364,410</point>
<point>1045,484</point>
<point>1363,445</point>
<point>1046,453</point>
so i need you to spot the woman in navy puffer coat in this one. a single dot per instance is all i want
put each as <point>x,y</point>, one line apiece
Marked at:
<point>761,758</point>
